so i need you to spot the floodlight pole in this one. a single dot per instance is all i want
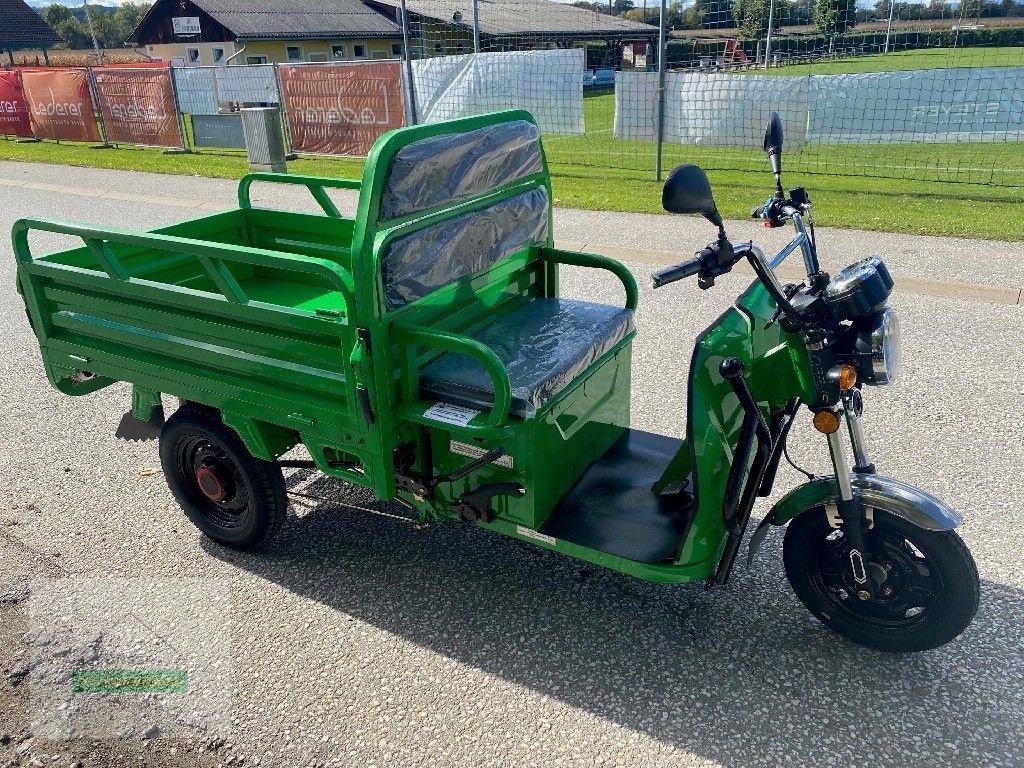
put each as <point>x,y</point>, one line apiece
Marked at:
<point>662,55</point>
<point>888,29</point>
<point>476,27</point>
<point>768,40</point>
<point>407,55</point>
<point>92,32</point>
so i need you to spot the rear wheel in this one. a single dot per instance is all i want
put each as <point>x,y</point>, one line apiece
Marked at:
<point>926,587</point>
<point>234,498</point>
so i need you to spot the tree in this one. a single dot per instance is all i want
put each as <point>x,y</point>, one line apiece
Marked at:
<point>833,17</point>
<point>71,31</point>
<point>752,16</point>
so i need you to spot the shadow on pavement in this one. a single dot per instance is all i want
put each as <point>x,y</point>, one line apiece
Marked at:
<point>741,675</point>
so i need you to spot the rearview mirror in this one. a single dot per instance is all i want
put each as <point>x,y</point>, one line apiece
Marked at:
<point>773,142</point>
<point>687,190</point>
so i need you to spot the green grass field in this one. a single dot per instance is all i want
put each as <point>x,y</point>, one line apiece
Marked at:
<point>932,208</point>
<point>898,61</point>
<point>948,189</point>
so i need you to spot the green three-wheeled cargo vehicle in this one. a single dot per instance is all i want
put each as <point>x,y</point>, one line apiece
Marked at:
<point>422,350</point>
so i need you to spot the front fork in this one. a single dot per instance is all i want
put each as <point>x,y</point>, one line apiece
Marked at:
<point>848,513</point>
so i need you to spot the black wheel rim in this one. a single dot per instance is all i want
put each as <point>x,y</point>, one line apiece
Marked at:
<point>905,582</point>
<point>213,481</point>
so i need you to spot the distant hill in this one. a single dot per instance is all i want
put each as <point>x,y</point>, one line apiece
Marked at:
<point>74,5</point>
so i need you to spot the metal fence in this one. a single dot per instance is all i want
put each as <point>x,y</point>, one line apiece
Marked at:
<point>902,91</point>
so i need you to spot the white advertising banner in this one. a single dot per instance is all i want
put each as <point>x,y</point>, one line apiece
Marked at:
<point>548,84</point>
<point>941,105</point>
<point>710,109</point>
<point>937,105</point>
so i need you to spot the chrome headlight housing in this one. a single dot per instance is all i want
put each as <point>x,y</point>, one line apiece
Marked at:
<point>882,344</point>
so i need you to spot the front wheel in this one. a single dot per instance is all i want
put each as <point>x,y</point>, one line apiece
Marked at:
<point>925,582</point>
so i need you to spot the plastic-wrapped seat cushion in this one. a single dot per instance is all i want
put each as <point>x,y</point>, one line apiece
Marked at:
<point>545,345</point>
<point>453,167</point>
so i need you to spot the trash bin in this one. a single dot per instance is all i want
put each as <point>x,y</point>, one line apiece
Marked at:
<point>264,142</point>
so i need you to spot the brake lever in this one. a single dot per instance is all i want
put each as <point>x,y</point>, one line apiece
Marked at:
<point>769,213</point>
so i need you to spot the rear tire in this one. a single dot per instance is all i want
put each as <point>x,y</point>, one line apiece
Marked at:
<point>234,498</point>
<point>925,582</point>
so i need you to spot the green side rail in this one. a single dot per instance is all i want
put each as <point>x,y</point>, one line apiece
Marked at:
<point>212,257</point>
<point>411,337</point>
<point>593,260</point>
<point>315,184</point>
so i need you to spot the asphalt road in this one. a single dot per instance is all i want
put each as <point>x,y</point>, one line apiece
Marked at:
<point>360,640</point>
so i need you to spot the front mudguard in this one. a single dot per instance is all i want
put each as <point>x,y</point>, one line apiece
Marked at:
<point>894,496</point>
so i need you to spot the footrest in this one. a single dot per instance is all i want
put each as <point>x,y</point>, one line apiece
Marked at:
<point>613,507</point>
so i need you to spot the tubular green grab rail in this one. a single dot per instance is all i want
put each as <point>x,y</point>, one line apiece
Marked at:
<point>315,185</point>
<point>415,336</point>
<point>573,259</point>
<point>210,255</point>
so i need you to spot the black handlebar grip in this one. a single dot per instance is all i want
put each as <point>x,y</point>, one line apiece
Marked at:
<point>678,272</point>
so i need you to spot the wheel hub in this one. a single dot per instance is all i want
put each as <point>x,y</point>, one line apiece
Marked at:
<point>212,481</point>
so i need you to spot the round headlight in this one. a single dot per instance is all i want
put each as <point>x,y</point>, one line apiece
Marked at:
<point>886,350</point>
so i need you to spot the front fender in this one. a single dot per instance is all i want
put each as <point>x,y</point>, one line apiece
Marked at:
<point>894,496</point>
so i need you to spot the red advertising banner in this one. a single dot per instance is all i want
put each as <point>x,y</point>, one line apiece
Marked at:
<point>341,109</point>
<point>14,120</point>
<point>138,106</point>
<point>60,104</point>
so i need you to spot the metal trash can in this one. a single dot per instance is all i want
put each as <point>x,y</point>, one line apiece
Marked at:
<point>264,142</point>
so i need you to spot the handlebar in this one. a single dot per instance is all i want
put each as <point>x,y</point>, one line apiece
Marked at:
<point>678,272</point>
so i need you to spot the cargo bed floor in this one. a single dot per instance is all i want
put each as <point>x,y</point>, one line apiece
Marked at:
<point>613,509</point>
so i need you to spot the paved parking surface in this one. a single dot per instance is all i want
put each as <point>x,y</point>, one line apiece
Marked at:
<point>360,640</point>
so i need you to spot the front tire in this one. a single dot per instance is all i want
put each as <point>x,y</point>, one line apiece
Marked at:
<point>925,582</point>
<point>234,498</point>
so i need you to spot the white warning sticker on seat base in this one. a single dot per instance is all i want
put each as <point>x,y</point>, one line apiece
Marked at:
<point>450,414</point>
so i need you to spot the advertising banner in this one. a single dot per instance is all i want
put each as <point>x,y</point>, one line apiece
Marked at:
<point>935,105</point>
<point>341,109</point>
<point>548,84</point>
<point>138,106</point>
<point>14,119</point>
<point>60,105</point>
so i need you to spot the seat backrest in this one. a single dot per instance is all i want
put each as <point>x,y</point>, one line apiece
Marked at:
<point>446,202</point>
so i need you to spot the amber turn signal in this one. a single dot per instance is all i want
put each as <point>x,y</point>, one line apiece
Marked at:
<point>847,377</point>
<point>843,376</point>
<point>826,422</point>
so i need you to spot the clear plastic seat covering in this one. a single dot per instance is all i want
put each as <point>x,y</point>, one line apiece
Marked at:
<point>498,173</point>
<point>545,344</point>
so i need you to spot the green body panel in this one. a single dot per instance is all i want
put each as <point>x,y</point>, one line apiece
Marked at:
<point>777,369</point>
<point>278,320</point>
<point>550,451</point>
